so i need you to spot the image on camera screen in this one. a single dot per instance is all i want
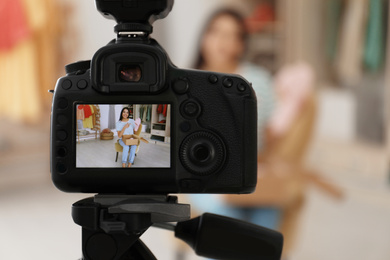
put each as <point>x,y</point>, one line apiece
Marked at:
<point>123,135</point>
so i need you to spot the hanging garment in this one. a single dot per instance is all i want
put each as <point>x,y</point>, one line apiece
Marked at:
<point>149,113</point>
<point>141,113</point>
<point>263,15</point>
<point>88,121</point>
<point>374,52</point>
<point>159,109</point>
<point>13,24</point>
<point>31,62</point>
<point>350,55</point>
<point>79,124</point>
<point>162,109</point>
<point>45,17</point>
<point>87,111</point>
<point>334,10</point>
<point>80,113</point>
<point>19,85</point>
<point>165,110</point>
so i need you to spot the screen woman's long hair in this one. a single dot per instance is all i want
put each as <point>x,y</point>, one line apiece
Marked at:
<point>128,110</point>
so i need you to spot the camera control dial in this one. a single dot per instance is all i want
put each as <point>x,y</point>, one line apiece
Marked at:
<point>78,67</point>
<point>202,153</point>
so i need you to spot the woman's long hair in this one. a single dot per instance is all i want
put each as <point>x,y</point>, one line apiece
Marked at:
<point>121,117</point>
<point>199,61</point>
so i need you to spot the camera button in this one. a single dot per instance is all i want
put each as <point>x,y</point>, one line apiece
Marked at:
<point>180,86</point>
<point>241,87</point>
<point>61,151</point>
<point>62,135</point>
<point>66,84</point>
<point>213,79</point>
<point>62,120</point>
<point>62,103</point>
<point>228,82</point>
<point>61,168</point>
<point>82,84</point>
<point>191,109</point>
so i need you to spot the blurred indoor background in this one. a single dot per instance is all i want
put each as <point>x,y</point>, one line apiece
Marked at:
<point>346,210</point>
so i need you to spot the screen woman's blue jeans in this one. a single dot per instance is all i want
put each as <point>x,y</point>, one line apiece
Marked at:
<point>125,152</point>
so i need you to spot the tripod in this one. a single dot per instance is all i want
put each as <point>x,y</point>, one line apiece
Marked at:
<point>113,224</point>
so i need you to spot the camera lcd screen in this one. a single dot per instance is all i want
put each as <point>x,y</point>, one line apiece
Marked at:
<point>123,135</point>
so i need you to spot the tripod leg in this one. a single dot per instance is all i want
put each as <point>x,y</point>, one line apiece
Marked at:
<point>139,251</point>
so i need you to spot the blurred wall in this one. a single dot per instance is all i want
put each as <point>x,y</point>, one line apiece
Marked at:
<point>92,31</point>
<point>180,39</point>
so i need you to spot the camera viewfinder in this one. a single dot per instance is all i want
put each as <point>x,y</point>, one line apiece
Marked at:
<point>130,73</point>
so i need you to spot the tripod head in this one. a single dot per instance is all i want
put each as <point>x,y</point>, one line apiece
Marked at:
<point>112,225</point>
<point>134,15</point>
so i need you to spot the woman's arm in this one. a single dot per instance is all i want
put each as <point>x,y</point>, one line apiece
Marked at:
<point>120,133</point>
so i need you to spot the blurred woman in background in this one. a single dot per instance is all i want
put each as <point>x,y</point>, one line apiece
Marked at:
<point>221,49</point>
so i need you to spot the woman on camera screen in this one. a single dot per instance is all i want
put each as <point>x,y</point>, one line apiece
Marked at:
<point>125,127</point>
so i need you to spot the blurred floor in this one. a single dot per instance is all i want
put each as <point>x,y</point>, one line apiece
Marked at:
<point>358,226</point>
<point>24,155</point>
<point>35,220</point>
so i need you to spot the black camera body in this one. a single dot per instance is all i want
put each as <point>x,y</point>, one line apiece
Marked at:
<point>212,120</point>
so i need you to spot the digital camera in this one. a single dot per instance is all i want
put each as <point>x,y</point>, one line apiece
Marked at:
<point>199,128</point>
